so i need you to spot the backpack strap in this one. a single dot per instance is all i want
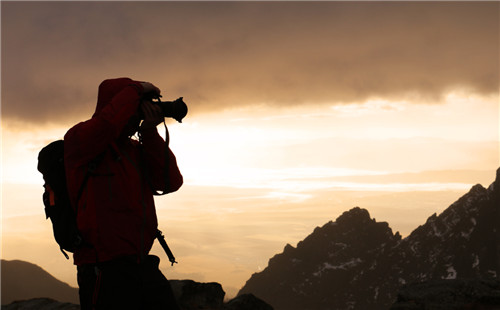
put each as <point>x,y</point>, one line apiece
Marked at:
<point>91,169</point>
<point>82,187</point>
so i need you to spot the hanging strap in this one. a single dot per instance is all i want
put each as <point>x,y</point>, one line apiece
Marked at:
<point>165,247</point>
<point>166,164</point>
<point>159,234</point>
<point>165,168</point>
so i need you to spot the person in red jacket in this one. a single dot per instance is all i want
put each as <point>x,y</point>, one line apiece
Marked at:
<point>111,180</point>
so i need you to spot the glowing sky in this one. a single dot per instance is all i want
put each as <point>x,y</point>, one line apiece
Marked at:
<point>298,111</point>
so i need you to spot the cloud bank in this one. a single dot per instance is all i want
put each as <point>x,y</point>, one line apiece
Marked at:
<point>221,55</point>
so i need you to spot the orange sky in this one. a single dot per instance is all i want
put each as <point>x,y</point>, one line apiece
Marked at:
<point>298,112</point>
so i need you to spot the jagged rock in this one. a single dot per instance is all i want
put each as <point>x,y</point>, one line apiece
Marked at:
<point>449,294</point>
<point>317,274</point>
<point>247,302</point>
<point>40,304</point>
<point>358,263</point>
<point>193,295</point>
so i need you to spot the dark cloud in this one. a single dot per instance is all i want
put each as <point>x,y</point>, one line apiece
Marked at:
<point>220,54</point>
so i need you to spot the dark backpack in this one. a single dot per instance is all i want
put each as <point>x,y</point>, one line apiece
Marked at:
<point>56,199</point>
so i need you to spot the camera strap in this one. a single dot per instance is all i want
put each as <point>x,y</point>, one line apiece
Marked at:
<point>166,168</point>
<point>166,173</point>
<point>159,234</point>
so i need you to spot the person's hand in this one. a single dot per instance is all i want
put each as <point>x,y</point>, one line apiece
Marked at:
<point>148,88</point>
<point>153,115</point>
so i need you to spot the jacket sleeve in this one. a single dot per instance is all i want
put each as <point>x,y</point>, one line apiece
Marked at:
<point>88,139</point>
<point>163,171</point>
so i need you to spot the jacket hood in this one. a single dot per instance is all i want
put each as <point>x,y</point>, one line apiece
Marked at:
<point>110,88</point>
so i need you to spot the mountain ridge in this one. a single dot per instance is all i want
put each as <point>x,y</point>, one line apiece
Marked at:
<point>359,263</point>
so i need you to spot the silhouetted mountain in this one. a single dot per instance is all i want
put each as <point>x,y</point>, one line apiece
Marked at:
<point>22,280</point>
<point>358,263</point>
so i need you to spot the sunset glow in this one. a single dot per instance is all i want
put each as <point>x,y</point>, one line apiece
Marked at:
<point>291,122</point>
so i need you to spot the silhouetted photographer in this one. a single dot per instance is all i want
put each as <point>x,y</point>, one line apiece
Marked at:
<point>111,179</point>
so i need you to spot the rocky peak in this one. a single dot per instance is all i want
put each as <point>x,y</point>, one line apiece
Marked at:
<point>477,189</point>
<point>494,188</point>
<point>337,250</point>
<point>355,216</point>
<point>352,231</point>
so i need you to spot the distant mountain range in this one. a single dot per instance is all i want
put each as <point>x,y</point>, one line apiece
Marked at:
<point>359,263</point>
<point>22,280</point>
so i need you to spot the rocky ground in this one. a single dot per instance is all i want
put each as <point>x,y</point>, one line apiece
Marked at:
<point>191,295</point>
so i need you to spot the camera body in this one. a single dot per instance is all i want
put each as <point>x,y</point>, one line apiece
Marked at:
<point>176,109</point>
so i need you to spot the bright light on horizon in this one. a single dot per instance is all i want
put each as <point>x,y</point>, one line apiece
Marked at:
<point>280,148</point>
<point>263,146</point>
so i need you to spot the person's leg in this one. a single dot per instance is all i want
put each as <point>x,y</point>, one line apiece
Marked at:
<point>87,278</point>
<point>158,294</point>
<point>112,285</point>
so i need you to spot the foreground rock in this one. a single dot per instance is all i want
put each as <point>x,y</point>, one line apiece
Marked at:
<point>194,295</point>
<point>247,302</point>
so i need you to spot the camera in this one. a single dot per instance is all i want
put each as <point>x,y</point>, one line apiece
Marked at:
<point>176,109</point>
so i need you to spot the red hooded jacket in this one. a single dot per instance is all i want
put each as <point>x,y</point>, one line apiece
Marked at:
<point>116,213</point>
